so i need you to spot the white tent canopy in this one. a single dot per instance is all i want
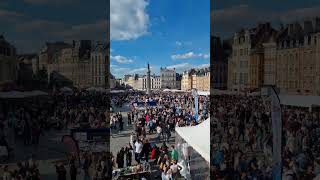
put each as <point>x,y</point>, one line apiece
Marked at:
<point>117,91</point>
<point>225,92</point>
<point>198,137</point>
<point>298,100</point>
<point>173,90</point>
<point>203,93</point>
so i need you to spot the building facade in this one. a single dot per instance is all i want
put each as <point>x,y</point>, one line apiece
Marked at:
<point>70,63</point>
<point>219,64</point>
<point>246,64</point>
<point>168,78</point>
<point>155,82</point>
<point>8,62</point>
<point>98,64</point>
<point>297,57</point>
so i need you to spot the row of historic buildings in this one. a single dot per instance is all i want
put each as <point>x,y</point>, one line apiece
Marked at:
<point>170,79</point>
<point>196,79</point>
<point>81,64</point>
<point>288,58</point>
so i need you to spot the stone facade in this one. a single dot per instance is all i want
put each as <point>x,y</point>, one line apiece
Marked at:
<point>168,78</point>
<point>98,64</point>
<point>8,62</point>
<point>246,64</point>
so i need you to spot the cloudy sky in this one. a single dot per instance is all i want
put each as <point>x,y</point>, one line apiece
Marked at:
<point>230,16</point>
<point>28,24</point>
<point>162,32</point>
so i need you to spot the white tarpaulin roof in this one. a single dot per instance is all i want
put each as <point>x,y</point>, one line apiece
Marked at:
<point>225,92</point>
<point>298,100</point>
<point>198,137</point>
<point>117,91</point>
<point>20,94</point>
<point>173,90</point>
<point>203,93</point>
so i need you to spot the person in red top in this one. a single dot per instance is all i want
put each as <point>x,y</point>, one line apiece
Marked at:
<point>154,152</point>
<point>147,119</point>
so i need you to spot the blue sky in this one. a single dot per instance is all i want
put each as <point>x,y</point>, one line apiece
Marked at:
<point>162,32</point>
<point>28,24</point>
<point>229,16</point>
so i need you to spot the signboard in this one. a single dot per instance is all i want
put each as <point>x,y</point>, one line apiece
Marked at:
<point>277,135</point>
<point>92,139</point>
<point>196,103</point>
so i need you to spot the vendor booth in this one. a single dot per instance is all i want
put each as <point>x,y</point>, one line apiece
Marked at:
<point>193,146</point>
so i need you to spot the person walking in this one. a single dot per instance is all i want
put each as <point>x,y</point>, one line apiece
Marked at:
<point>138,149</point>
<point>129,118</point>
<point>73,170</point>
<point>61,172</point>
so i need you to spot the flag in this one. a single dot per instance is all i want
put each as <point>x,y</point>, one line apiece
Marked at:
<point>277,133</point>
<point>70,144</point>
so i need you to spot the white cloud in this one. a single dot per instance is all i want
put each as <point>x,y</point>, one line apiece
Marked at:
<point>182,44</point>
<point>121,71</point>
<point>186,66</point>
<point>94,30</point>
<point>121,59</point>
<point>230,19</point>
<point>189,55</point>
<point>178,43</point>
<point>128,19</point>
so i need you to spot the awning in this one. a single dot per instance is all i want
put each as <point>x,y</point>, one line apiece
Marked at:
<point>198,137</point>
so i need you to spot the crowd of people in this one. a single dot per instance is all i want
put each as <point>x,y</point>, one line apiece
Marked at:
<point>24,170</point>
<point>241,139</point>
<point>26,121</point>
<point>153,120</point>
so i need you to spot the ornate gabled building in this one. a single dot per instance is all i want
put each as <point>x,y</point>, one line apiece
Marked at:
<point>246,64</point>
<point>297,58</point>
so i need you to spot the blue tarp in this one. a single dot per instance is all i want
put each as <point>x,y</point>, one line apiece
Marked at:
<point>142,104</point>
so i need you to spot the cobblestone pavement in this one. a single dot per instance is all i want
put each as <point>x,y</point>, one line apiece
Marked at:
<point>121,139</point>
